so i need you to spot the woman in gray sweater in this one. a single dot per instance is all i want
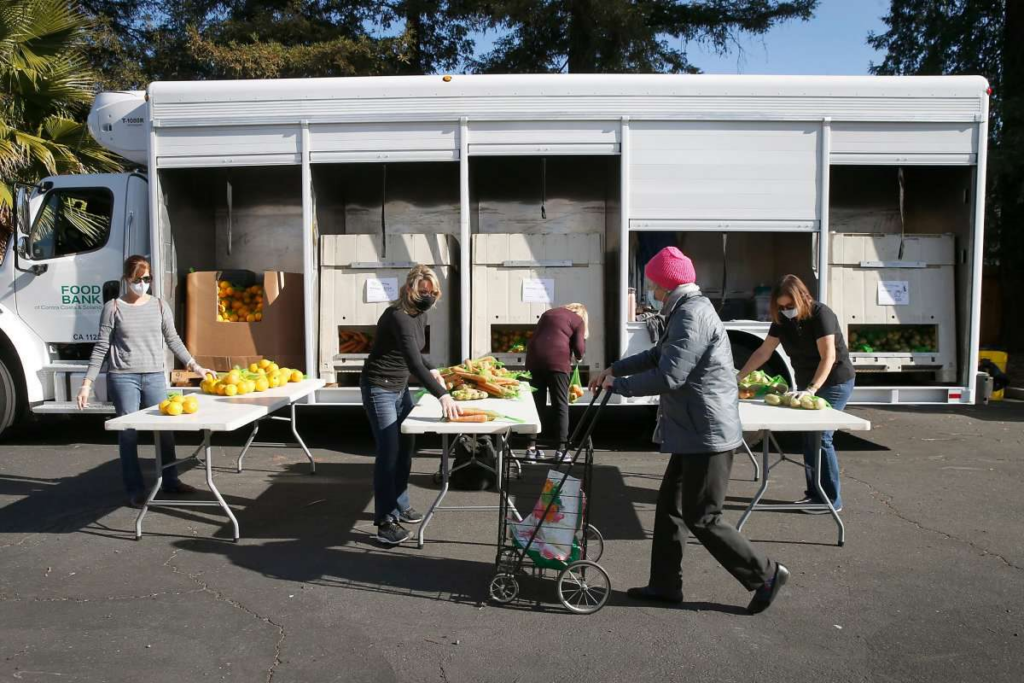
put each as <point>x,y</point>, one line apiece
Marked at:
<point>133,330</point>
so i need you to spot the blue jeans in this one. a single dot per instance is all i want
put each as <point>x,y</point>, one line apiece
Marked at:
<point>387,410</point>
<point>837,396</point>
<point>131,392</point>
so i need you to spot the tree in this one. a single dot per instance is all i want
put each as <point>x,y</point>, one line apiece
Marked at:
<point>45,90</point>
<point>986,37</point>
<point>604,36</point>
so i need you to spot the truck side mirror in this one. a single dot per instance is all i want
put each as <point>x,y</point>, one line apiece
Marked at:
<point>23,246</point>
<point>111,290</point>
<point>21,215</point>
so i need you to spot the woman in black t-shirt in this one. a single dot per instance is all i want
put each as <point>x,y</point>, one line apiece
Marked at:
<point>398,352</point>
<point>811,336</point>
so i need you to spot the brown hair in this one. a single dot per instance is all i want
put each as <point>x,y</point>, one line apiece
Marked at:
<point>795,289</point>
<point>133,265</point>
<point>410,291</point>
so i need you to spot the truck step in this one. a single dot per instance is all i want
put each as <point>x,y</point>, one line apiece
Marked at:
<point>70,407</point>
<point>67,366</point>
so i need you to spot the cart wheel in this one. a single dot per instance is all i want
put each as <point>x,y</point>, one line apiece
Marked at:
<point>595,544</point>
<point>504,589</point>
<point>584,587</point>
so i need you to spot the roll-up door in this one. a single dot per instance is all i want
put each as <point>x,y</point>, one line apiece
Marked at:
<point>904,143</point>
<point>543,138</point>
<point>724,171</point>
<point>399,141</point>
<point>221,146</point>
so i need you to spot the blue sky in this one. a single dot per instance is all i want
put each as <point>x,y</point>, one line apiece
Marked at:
<point>832,43</point>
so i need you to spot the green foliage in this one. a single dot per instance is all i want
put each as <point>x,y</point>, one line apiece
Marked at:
<point>45,90</point>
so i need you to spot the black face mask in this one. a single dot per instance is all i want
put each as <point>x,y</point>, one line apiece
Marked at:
<point>426,302</point>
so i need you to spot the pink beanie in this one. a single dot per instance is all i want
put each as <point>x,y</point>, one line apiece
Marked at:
<point>670,268</point>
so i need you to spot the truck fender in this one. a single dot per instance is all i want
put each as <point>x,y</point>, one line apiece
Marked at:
<point>745,343</point>
<point>25,353</point>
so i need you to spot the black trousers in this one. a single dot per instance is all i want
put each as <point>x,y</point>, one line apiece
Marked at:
<point>690,500</point>
<point>555,384</point>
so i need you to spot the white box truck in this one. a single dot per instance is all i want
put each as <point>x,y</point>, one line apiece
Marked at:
<point>836,179</point>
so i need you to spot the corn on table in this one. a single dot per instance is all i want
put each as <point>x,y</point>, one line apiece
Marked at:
<point>756,416</point>
<point>215,414</point>
<point>425,418</point>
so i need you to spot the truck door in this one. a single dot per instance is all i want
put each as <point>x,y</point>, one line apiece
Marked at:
<point>71,253</point>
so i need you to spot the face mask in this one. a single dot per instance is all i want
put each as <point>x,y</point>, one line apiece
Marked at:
<point>138,289</point>
<point>426,302</point>
<point>652,302</point>
<point>790,313</point>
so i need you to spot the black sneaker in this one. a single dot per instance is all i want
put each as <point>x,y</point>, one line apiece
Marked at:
<point>652,595</point>
<point>392,533</point>
<point>410,516</point>
<point>765,595</point>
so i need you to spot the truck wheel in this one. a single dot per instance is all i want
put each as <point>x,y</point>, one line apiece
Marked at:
<point>8,399</point>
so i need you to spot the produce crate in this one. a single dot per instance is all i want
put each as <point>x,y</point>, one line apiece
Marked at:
<point>348,262</point>
<point>885,301</point>
<point>572,263</point>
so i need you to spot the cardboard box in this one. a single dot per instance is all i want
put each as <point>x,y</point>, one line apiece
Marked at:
<point>223,345</point>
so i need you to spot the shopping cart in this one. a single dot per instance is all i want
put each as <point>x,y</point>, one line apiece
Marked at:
<point>556,535</point>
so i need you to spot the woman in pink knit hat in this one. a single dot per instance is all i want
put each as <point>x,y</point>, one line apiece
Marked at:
<point>691,369</point>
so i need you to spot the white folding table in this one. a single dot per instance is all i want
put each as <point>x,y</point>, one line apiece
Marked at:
<point>425,418</point>
<point>216,414</point>
<point>756,416</point>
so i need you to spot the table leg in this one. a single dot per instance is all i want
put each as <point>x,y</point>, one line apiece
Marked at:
<point>248,443</point>
<point>213,488</point>
<point>753,461</point>
<point>156,486</point>
<point>441,493</point>
<point>821,491</point>
<point>302,444</point>
<point>765,454</point>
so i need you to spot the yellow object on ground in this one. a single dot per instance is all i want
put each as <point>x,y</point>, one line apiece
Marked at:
<point>1000,358</point>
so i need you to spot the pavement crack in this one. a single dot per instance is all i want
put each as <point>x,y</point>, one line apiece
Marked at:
<point>886,500</point>
<point>204,587</point>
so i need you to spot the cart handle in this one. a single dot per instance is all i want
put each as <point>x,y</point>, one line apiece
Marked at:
<point>588,426</point>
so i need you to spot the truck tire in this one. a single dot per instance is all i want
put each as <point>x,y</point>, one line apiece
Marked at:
<point>8,399</point>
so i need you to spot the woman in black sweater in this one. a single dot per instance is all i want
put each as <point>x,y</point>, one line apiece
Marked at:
<point>398,352</point>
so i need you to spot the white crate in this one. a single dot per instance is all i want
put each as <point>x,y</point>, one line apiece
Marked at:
<point>348,261</point>
<point>859,262</point>
<point>501,262</point>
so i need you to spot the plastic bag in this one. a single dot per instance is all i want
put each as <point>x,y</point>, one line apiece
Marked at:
<point>575,385</point>
<point>556,541</point>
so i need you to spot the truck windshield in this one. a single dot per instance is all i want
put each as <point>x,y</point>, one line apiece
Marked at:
<point>71,221</point>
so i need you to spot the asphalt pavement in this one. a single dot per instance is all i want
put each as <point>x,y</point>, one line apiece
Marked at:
<point>928,587</point>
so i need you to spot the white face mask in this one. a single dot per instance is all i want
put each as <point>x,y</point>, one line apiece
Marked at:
<point>138,289</point>
<point>790,313</point>
<point>652,302</point>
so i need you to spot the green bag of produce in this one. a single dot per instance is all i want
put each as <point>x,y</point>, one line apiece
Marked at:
<point>575,385</point>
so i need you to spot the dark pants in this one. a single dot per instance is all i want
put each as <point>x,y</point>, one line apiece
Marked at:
<point>691,497</point>
<point>387,410</point>
<point>555,384</point>
<point>130,392</point>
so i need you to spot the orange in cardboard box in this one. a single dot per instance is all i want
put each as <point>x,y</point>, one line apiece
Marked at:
<point>279,334</point>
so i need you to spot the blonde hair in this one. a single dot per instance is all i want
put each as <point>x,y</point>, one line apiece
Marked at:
<point>795,289</point>
<point>581,311</point>
<point>409,294</point>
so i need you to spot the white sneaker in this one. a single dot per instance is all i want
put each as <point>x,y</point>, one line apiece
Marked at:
<point>563,456</point>
<point>533,454</point>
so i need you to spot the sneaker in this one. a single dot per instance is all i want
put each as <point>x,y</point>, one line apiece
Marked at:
<point>534,454</point>
<point>410,516</point>
<point>563,456</point>
<point>814,501</point>
<point>823,511</point>
<point>766,594</point>
<point>392,533</point>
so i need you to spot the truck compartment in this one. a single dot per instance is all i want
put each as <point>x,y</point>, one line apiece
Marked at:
<point>899,271</point>
<point>360,275</point>
<point>541,228</point>
<point>242,226</point>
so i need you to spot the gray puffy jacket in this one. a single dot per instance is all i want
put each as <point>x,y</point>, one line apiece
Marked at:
<point>691,368</point>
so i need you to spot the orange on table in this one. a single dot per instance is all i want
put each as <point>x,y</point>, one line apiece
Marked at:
<point>231,390</point>
<point>262,384</point>
<point>264,363</point>
<point>174,409</point>
<point>191,405</point>
<point>253,367</point>
<point>296,376</point>
<point>258,317</point>
<point>177,398</point>
<point>163,405</point>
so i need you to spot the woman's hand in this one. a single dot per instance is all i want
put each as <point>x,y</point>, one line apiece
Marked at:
<point>83,396</point>
<point>604,380</point>
<point>449,407</point>
<point>200,370</point>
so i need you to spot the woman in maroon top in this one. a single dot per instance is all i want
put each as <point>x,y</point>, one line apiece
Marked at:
<point>561,334</point>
